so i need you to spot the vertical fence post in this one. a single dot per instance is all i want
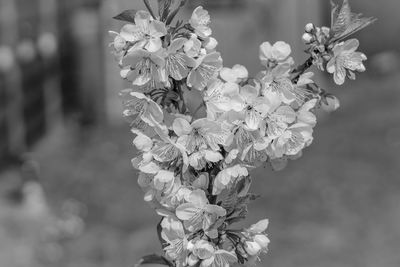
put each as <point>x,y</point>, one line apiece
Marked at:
<point>47,43</point>
<point>11,88</point>
<point>82,60</point>
<point>32,70</point>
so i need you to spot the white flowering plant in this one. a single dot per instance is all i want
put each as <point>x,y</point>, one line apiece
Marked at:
<point>195,169</point>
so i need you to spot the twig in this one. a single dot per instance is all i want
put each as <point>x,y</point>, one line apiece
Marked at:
<point>297,72</point>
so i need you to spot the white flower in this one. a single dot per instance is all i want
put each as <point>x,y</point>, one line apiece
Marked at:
<point>221,97</point>
<point>119,44</point>
<point>258,241</point>
<point>259,227</point>
<point>199,160</point>
<point>255,107</point>
<point>143,142</point>
<point>201,134</point>
<point>203,249</point>
<point>192,46</point>
<point>198,214</point>
<point>252,248</point>
<point>292,140</point>
<point>281,85</point>
<point>163,180</point>
<point>304,115</point>
<point>345,61</point>
<point>142,113</point>
<point>232,155</point>
<point>210,44</point>
<point>143,67</point>
<point>145,33</point>
<point>235,74</point>
<point>262,240</point>
<point>174,234</point>
<point>330,103</point>
<point>279,121</point>
<point>200,21</point>
<point>227,177</point>
<point>277,54</point>
<point>220,258</point>
<point>207,68</point>
<point>177,63</point>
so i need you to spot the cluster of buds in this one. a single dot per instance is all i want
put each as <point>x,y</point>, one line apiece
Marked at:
<point>329,48</point>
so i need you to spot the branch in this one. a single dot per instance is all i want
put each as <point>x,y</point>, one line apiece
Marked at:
<point>178,86</point>
<point>297,72</point>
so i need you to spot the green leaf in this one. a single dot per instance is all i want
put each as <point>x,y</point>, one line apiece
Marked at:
<point>154,259</point>
<point>164,8</point>
<point>345,23</point>
<point>127,15</point>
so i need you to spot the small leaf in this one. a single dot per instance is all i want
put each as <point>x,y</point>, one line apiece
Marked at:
<point>345,23</point>
<point>164,8</point>
<point>127,15</point>
<point>154,259</point>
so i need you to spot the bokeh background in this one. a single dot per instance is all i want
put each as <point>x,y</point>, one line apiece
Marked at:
<point>69,197</point>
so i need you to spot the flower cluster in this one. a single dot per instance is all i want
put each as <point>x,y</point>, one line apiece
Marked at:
<point>194,169</point>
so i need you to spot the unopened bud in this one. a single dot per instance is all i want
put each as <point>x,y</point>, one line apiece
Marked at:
<point>252,248</point>
<point>190,246</point>
<point>307,38</point>
<point>262,240</point>
<point>330,103</point>
<point>326,31</point>
<point>309,28</point>
<point>210,44</point>
<point>119,43</point>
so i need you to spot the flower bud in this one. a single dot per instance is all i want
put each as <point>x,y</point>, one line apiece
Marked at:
<point>210,44</point>
<point>325,31</point>
<point>330,103</point>
<point>203,250</point>
<point>252,248</point>
<point>190,245</point>
<point>307,38</point>
<point>119,43</point>
<point>262,240</point>
<point>309,27</point>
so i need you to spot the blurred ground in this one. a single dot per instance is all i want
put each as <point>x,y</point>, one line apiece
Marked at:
<point>336,206</point>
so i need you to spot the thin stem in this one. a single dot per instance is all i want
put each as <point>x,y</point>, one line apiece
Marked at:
<point>180,91</point>
<point>297,72</point>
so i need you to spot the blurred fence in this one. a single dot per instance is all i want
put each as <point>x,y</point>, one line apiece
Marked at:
<point>50,68</point>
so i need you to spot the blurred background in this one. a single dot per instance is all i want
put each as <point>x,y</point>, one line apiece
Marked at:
<point>69,196</point>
